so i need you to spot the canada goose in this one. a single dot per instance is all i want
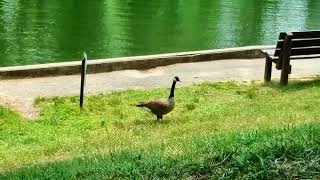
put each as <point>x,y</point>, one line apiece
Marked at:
<point>160,107</point>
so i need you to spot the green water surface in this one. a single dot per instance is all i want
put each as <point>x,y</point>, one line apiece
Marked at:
<point>43,31</point>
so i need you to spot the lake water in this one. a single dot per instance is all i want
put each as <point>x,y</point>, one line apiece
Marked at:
<point>43,31</point>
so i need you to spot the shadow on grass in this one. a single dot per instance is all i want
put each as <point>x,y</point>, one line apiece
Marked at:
<point>140,123</point>
<point>294,85</point>
<point>152,121</point>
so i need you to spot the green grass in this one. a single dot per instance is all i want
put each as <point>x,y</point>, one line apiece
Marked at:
<point>288,153</point>
<point>217,130</point>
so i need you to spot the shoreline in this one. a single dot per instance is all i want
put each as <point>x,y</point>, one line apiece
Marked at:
<point>134,62</point>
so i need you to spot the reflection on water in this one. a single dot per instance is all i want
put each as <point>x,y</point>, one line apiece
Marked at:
<point>37,31</point>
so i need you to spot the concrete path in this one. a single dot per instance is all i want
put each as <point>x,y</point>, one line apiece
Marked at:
<point>19,94</point>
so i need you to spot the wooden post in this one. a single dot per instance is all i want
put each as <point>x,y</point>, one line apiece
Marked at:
<point>285,70</point>
<point>267,69</point>
<point>282,36</point>
<point>83,78</point>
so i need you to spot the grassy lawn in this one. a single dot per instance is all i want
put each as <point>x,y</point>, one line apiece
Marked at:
<point>223,130</point>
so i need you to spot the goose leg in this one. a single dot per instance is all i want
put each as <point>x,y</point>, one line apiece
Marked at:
<point>159,117</point>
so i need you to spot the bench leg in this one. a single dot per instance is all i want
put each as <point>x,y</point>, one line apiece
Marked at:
<point>285,58</point>
<point>285,71</point>
<point>267,70</point>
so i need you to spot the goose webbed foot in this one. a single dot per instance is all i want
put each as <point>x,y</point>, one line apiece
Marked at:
<point>159,117</point>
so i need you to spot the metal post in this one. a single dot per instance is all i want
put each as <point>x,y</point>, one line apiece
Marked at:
<point>83,77</point>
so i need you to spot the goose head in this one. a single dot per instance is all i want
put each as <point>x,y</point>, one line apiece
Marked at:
<point>176,79</point>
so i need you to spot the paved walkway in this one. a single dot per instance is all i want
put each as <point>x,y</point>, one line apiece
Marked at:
<point>19,94</point>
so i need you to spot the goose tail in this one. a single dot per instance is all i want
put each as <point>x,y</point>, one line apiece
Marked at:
<point>141,104</point>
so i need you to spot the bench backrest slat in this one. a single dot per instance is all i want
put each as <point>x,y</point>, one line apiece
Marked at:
<point>303,43</point>
<point>301,51</point>
<point>305,51</point>
<point>302,35</point>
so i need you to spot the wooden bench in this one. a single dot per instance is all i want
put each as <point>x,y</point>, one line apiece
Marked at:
<point>292,46</point>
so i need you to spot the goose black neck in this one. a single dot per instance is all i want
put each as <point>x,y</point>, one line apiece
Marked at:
<point>172,89</point>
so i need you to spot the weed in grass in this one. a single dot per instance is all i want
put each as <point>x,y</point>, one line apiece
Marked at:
<point>190,106</point>
<point>119,125</point>
<point>139,122</point>
<point>38,100</point>
<point>102,123</point>
<point>196,100</point>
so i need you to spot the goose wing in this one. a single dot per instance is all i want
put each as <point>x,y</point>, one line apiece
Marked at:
<point>158,107</point>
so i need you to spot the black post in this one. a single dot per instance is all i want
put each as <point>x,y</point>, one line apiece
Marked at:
<point>83,74</point>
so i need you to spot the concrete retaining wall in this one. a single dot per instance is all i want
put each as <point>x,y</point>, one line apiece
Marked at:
<point>136,62</point>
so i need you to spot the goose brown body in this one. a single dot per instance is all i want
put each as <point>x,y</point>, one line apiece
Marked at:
<point>160,107</point>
